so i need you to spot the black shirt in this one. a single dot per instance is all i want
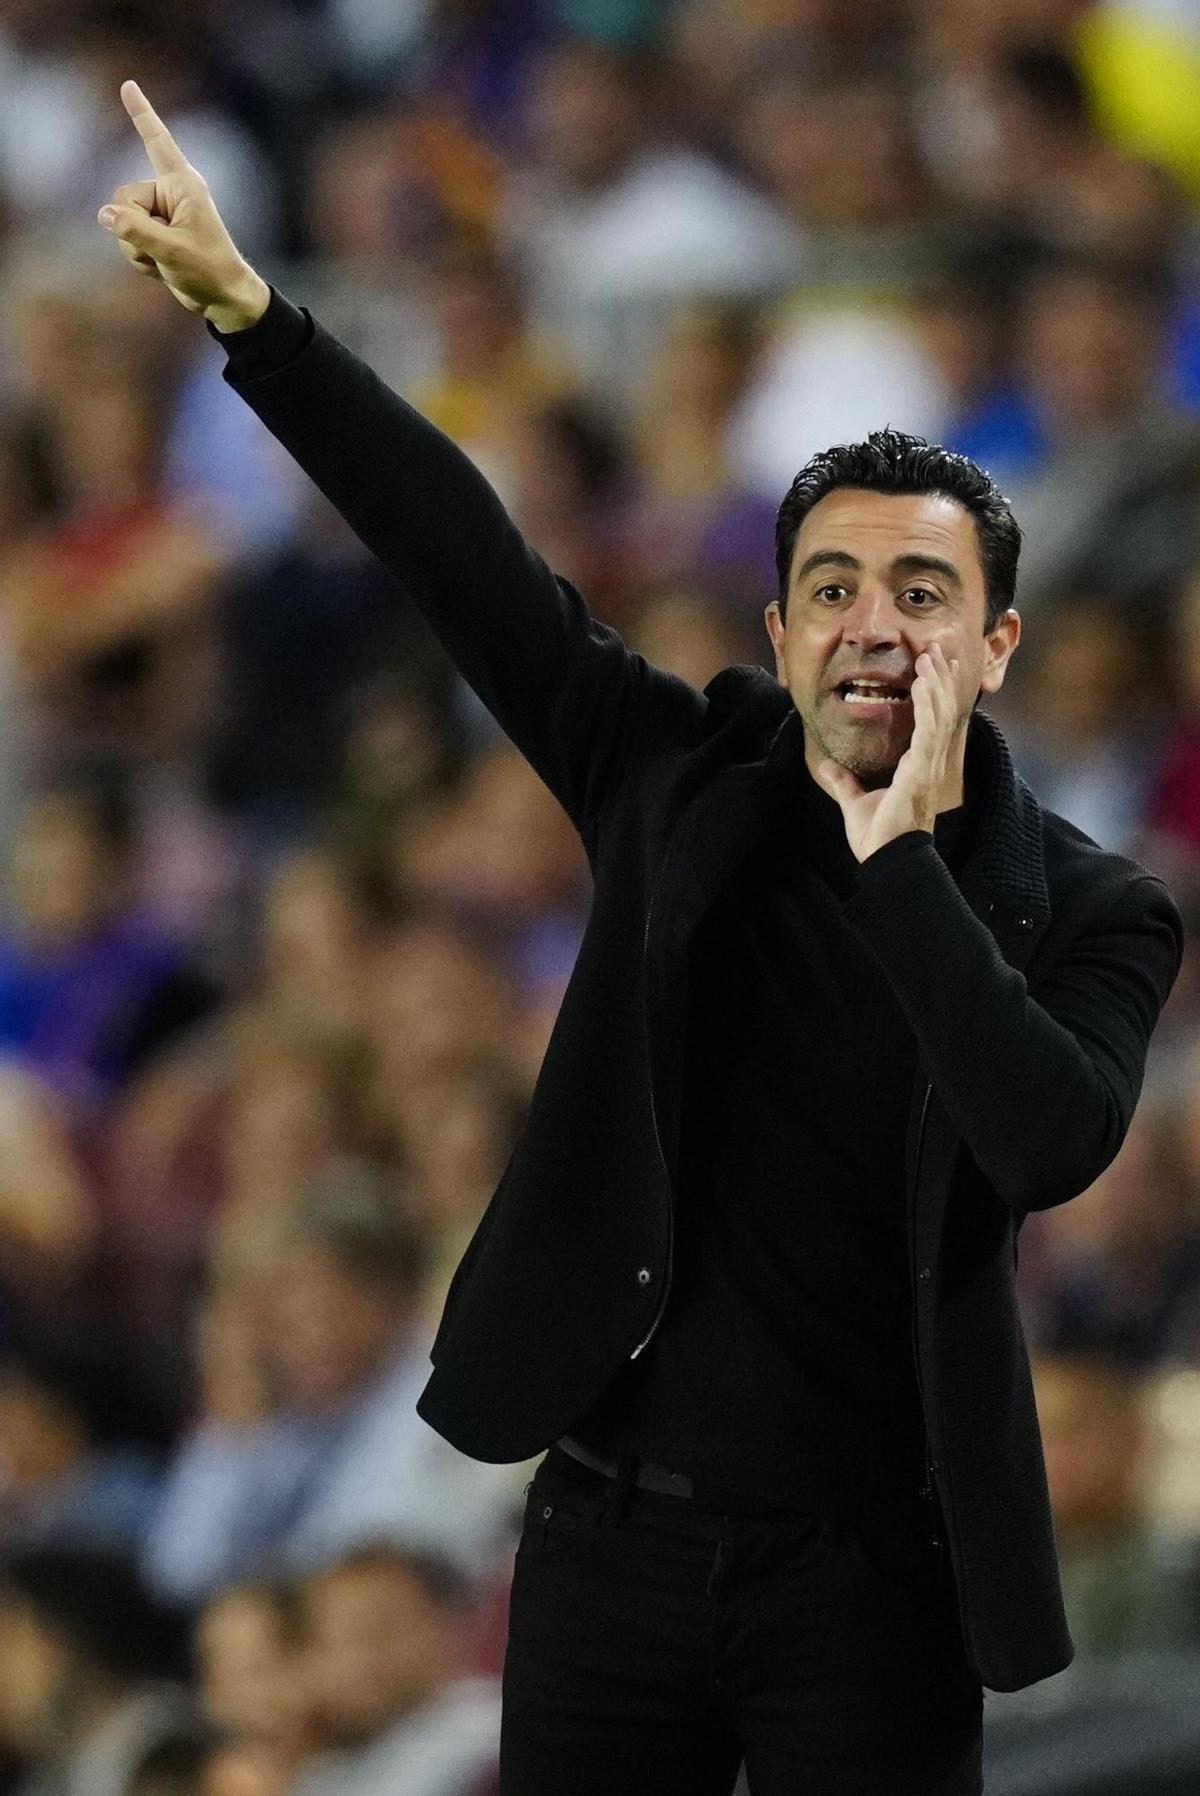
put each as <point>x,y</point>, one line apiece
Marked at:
<point>782,1372</point>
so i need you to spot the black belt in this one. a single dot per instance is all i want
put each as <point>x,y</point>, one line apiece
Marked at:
<point>648,1476</point>
<point>891,1500</point>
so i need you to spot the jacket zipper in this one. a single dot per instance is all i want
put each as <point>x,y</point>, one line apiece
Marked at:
<point>662,1158</point>
<point>928,1487</point>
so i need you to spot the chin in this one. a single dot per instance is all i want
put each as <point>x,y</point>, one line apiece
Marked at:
<point>870,772</point>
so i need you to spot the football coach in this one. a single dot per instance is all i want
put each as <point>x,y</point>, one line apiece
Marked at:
<point>850,1005</point>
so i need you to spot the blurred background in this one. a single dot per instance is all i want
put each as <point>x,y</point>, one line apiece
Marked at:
<point>286,921</point>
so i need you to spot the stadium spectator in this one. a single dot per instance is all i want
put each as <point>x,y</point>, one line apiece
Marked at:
<point>1111,502</point>
<point>1120,1587</point>
<point>1087,725</point>
<point>492,371</point>
<point>385,1631</point>
<point>834,150</point>
<point>248,1651</point>
<point>78,1460</point>
<point>1173,804</point>
<point>603,216</point>
<point>571,486</point>
<point>92,1671</point>
<point>1124,1265</point>
<point>108,606</point>
<point>499,856</point>
<point>90,983</point>
<point>309,1442</point>
<point>693,520</point>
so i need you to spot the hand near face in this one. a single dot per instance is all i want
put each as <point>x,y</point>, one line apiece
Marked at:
<point>910,802</point>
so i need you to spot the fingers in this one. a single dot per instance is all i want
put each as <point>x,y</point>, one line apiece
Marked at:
<point>166,157</point>
<point>136,193</point>
<point>935,702</point>
<point>937,676</point>
<point>142,263</point>
<point>837,780</point>
<point>136,230</point>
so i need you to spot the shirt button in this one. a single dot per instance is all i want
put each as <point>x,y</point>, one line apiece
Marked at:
<point>925,1274</point>
<point>643,1276</point>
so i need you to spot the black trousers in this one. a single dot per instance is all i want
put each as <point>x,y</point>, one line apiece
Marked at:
<point>654,1645</point>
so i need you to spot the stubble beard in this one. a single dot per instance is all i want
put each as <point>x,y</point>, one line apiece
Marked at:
<point>869,770</point>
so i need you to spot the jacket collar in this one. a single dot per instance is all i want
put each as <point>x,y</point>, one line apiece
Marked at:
<point>1006,866</point>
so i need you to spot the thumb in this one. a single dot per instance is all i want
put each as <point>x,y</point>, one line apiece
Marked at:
<point>132,225</point>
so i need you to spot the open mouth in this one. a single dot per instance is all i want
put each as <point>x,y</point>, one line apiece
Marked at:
<point>873,697</point>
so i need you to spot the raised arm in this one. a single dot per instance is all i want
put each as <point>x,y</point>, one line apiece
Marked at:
<point>583,709</point>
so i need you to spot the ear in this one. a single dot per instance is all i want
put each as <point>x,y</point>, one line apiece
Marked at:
<point>777,631</point>
<point>999,649</point>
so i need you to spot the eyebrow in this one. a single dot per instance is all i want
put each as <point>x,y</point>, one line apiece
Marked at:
<point>903,564</point>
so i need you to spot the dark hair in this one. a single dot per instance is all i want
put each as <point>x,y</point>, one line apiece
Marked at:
<point>173,1766</point>
<point>94,1599</point>
<point>439,1578</point>
<point>1051,82</point>
<point>892,462</point>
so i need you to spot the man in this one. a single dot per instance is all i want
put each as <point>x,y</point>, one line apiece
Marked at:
<point>93,1671</point>
<point>319,1447</point>
<point>848,1007</point>
<point>389,1681</point>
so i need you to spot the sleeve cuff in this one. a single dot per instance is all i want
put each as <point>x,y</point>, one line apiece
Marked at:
<point>894,854</point>
<point>270,344</point>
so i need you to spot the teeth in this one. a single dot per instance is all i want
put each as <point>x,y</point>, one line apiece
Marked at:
<point>860,694</point>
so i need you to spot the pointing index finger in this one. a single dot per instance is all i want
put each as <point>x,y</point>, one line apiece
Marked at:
<point>166,157</point>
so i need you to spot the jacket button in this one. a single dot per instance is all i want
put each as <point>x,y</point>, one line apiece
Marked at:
<point>924,1275</point>
<point>643,1276</point>
<point>1024,921</point>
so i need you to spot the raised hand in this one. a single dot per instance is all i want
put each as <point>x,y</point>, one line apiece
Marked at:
<point>911,801</point>
<point>169,229</point>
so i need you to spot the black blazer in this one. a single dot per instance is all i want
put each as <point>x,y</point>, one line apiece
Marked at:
<point>1032,986</point>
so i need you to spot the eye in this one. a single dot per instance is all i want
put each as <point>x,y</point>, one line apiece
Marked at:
<point>920,592</point>
<point>822,592</point>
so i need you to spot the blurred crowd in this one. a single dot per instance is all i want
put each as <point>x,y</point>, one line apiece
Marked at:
<point>287,921</point>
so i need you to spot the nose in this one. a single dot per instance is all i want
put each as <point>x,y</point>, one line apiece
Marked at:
<point>872,621</point>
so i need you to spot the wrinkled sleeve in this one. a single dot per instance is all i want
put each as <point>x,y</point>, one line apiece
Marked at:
<point>1042,1089</point>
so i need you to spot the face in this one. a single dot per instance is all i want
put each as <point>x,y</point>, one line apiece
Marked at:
<point>1091,354</point>
<point>40,1439</point>
<point>331,1330</point>
<point>34,1667</point>
<point>61,878</point>
<point>876,579</point>
<point>246,1675</point>
<point>583,115</point>
<point>376,1646</point>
